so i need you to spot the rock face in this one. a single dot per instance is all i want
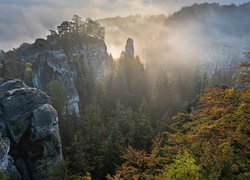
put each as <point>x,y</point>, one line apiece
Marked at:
<point>129,49</point>
<point>56,63</point>
<point>70,68</point>
<point>29,130</point>
<point>85,61</point>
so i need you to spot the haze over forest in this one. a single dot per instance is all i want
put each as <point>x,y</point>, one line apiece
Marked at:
<point>31,19</point>
<point>136,89</point>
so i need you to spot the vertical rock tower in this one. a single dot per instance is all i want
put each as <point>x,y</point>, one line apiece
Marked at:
<point>129,49</point>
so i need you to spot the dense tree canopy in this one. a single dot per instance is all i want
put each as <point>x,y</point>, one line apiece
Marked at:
<point>130,128</point>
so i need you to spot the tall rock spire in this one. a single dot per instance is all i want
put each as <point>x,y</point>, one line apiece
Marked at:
<point>129,48</point>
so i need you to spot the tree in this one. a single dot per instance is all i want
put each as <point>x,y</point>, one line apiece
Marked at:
<point>28,73</point>
<point>64,28</point>
<point>113,146</point>
<point>45,166</point>
<point>184,167</point>
<point>138,164</point>
<point>58,95</point>
<point>77,22</point>
<point>141,132</point>
<point>122,118</point>
<point>129,83</point>
<point>59,171</point>
<point>86,152</point>
<point>162,97</point>
<point>94,29</point>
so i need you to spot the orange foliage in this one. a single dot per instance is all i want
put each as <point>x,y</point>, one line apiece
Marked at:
<point>218,132</point>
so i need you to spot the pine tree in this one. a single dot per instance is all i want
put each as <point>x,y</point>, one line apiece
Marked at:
<point>112,155</point>
<point>122,117</point>
<point>141,132</point>
<point>88,144</point>
<point>59,171</point>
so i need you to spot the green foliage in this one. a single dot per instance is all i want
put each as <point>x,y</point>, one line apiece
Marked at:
<point>71,33</point>
<point>128,83</point>
<point>162,86</point>
<point>85,84</point>
<point>86,151</point>
<point>28,73</point>
<point>141,132</point>
<point>48,169</point>
<point>45,167</point>
<point>81,28</point>
<point>184,167</point>
<point>59,171</point>
<point>215,137</point>
<point>122,118</point>
<point>11,69</point>
<point>4,175</point>
<point>113,146</point>
<point>94,29</point>
<point>58,95</point>
<point>215,133</point>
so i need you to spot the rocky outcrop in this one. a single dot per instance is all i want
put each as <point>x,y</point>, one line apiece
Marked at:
<point>72,63</point>
<point>129,49</point>
<point>70,68</point>
<point>55,64</point>
<point>29,130</point>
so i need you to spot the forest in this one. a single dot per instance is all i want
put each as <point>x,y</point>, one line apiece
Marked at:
<point>182,125</point>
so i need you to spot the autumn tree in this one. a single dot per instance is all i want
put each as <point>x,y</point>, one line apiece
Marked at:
<point>139,164</point>
<point>183,167</point>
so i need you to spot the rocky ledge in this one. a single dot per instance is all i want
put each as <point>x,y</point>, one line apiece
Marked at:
<point>29,132</point>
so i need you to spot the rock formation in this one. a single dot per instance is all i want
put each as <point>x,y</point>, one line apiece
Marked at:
<point>29,130</point>
<point>129,49</point>
<point>69,67</point>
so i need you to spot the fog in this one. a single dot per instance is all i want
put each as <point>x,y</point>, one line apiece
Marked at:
<point>208,37</point>
<point>26,20</point>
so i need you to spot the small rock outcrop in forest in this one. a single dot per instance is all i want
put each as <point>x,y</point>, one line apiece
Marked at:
<point>129,49</point>
<point>29,132</point>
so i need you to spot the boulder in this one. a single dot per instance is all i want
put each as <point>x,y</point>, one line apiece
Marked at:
<point>29,131</point>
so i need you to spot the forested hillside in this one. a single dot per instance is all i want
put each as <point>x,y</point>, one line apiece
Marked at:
<point>155,115</point>
<point>210,143</point>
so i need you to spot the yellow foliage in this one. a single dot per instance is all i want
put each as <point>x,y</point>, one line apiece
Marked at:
<point>218,132</point>
<point>212,142</point>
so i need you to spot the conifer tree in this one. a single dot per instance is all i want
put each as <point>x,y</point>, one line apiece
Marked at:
<point>141,132</point>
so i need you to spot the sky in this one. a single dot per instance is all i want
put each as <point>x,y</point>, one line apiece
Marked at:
<point>25,20</point>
